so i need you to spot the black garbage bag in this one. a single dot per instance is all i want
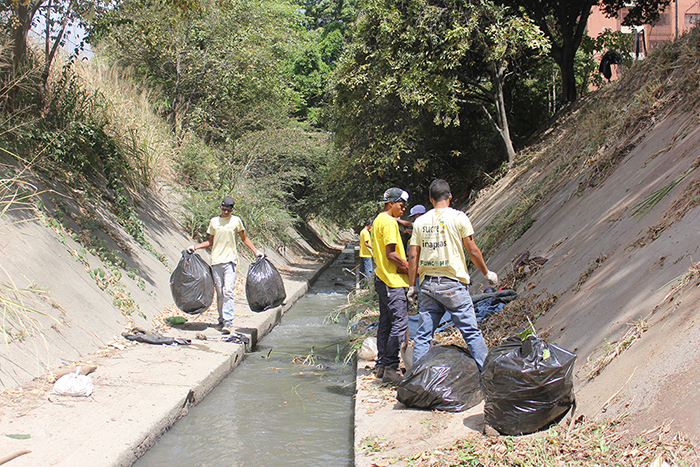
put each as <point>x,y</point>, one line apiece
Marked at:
<point>192,284</point>
<point>264,288</point>
<point>446,378</point>
<point>528,385</point>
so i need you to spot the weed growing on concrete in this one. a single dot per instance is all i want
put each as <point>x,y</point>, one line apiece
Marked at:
<point>684,280</point>
<point>589,271</point>
<point>375,444</point>
<point>615,348</point>
<point>19,319</point>
<point>653,198</point>
<point>362,312</point>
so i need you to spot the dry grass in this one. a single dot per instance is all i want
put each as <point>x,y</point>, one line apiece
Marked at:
<point>692,275</point>
<point>513,317</point>
<point>585,443</point>
<point>144,136</point>
<point>614,349</point>
<point>520,275</point>
<point>589,271</point>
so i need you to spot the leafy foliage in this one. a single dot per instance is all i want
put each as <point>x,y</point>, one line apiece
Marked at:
<point>564,23</point>
<point>409,94</point>
<point>219,65</point>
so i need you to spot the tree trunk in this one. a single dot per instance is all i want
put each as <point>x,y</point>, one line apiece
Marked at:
<point>498,71</point>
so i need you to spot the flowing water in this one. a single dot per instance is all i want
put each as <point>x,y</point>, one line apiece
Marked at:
<point>270,411</point>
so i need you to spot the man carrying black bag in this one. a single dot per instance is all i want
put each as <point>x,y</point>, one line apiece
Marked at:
<point>224,258</point>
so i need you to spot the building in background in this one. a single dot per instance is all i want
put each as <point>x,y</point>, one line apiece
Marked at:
<point>678,17</point>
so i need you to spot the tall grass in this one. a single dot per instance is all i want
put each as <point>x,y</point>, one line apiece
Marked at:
<point>18,319</point>
<point>144,136</point>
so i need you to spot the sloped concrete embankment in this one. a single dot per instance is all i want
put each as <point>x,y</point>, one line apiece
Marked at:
<point>140,390</point>
<point>612,274</point>
<point>81,305</point>
<point>615,279</point>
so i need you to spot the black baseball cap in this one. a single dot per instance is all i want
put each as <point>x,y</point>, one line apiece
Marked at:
<point>228,202</point>
<point>394,194</point>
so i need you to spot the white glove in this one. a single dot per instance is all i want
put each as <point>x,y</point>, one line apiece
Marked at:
<point>192,249</point>
<point>412,295</point>
<point>259,253</point>
<point>492,277</point>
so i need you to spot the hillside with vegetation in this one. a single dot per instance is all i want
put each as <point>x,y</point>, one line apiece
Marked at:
<point>596,228</point>
<point>306,113</point>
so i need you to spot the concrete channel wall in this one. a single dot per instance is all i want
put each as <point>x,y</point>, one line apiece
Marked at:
<point>140,390</point>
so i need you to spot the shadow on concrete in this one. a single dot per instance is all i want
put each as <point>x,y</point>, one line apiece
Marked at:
<point>475,422</point>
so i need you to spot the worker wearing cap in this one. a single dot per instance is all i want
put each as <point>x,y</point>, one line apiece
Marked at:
<point>390,283</point>
<point>416,212</point>
<point>437,247</point>
<point>224,258</point>
<point>366,267</point>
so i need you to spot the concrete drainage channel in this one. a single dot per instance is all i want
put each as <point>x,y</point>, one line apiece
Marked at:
<point>275,409</point>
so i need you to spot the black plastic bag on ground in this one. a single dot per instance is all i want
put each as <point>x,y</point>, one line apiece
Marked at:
<point>192,284</point>
<point>446,378</point>
<point>264,288</point>
<point>528,385</point>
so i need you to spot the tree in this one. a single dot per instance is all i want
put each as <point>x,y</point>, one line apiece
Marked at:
<point>435,57</point>
<point>221,66</point>
<point>54,16</point>
<point>564,23</point>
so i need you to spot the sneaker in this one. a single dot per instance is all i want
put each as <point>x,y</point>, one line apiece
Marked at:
<point>226,329</point>
<point>391,375</point>
<point>378,371</point>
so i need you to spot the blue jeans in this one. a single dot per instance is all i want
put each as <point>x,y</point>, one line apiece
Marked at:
<point>224,280</point>
<point>366,269</point>
<point>438,295</point>
<point>393,322</point>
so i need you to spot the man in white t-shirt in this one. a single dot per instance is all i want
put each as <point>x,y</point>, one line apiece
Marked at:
<point>437,250</point>
<point>224,258</point>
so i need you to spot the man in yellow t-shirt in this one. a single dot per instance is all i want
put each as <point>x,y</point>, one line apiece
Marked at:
<point>390,282</point>
<point>366,253</point>
<point>224,258</point>
<point>437,249</point>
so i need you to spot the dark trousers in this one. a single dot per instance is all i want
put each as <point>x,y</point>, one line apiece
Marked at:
<point>393,322</point>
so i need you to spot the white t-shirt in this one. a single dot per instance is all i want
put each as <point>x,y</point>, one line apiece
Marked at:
<point>439,234</point>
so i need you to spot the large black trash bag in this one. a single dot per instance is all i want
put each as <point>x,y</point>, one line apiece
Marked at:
<point>264,288</point>
<point>192,284</point>
<point>528,385</point>
<point>446,378</point>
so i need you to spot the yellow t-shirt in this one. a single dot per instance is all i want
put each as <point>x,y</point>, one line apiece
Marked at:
<point>439,234</point>
<point>385,231</point>
<point>224,231</point>
<point>365,237</point>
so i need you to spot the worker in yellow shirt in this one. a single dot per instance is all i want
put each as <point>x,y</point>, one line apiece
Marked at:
<point>366,267</point>
<point>390,282</point>
<point>222,232</point>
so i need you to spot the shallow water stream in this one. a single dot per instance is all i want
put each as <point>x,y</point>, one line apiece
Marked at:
<point>270,411</point>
